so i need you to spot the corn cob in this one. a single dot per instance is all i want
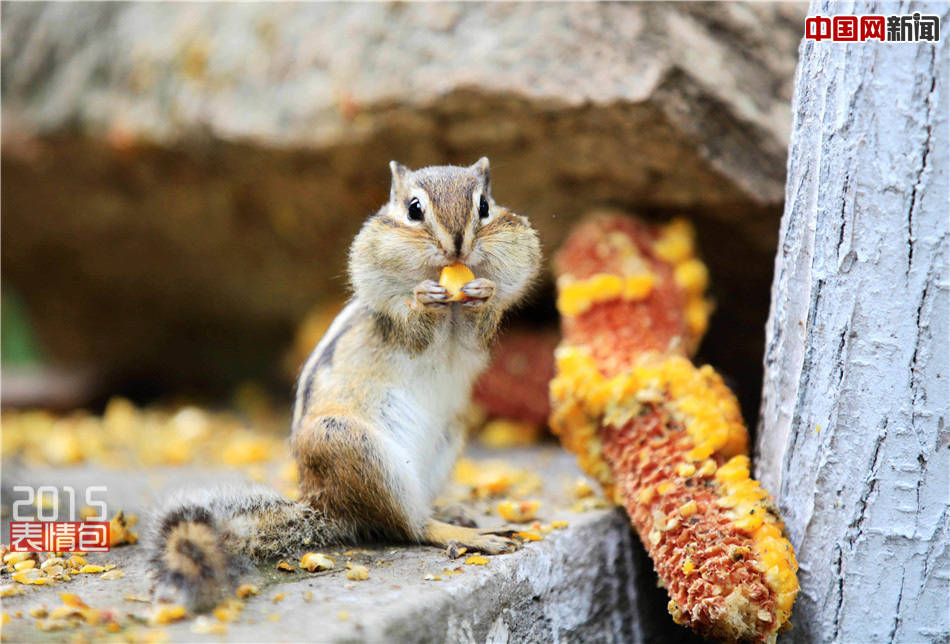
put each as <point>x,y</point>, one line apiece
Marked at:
<point>665,438</point>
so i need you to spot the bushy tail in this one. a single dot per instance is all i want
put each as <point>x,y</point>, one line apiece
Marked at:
<point>204,540</point>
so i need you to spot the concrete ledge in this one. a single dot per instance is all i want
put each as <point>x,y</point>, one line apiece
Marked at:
<point>577,584</point>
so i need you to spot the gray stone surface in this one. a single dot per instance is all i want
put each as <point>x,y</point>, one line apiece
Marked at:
<point>192,173</point>
<point>578,584</point>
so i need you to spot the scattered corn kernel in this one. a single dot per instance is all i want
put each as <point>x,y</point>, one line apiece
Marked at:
<point>246,590</point>
<point>9,590</point>
<point>315,562</point>
<point>166,614</point>
<point>283,566</point>
<point>356,572</point>
<point>113,574</point>
<point>89,569</point>
<point>476,560</point>
<point>518,511</point>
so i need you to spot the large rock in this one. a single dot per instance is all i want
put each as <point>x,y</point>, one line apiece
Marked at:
<point>182,181</point>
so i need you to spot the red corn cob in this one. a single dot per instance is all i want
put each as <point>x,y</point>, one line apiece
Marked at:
<point>665,438</point>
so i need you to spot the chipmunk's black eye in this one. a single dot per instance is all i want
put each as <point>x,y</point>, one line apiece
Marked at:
<point>415,209</point>
<point>483,208</point>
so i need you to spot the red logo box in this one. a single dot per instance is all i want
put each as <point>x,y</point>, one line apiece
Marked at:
<point>59,536</point>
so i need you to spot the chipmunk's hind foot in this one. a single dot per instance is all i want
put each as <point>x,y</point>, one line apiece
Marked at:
<point>473,540</point>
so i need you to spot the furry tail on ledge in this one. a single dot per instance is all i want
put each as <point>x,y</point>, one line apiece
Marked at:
<point>204,540</point>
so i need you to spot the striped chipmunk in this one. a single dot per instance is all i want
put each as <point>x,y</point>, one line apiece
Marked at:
<point>377,421</point>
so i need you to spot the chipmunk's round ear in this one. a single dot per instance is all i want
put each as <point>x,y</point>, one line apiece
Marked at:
<point>481,167</point>
<point>399,177</point>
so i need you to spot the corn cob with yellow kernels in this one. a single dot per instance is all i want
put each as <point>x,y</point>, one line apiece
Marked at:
<point>665,438</point>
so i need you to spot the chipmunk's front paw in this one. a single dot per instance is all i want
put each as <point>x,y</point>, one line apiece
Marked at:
<point>430,294</point>
<point>478,292</point>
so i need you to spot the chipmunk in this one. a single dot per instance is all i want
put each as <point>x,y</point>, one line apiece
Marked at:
<point>377,419</point>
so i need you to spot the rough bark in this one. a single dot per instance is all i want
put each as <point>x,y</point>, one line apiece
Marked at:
<point>853,437</point>
<point>182,180</point>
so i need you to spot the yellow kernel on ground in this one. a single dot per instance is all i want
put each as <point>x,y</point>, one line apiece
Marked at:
<point>582,488</point>
<point>9,590</point>
<point>357,572</point>
<point>283,566</point>
<point>76,562</point>
<point>246,590</point>
<point>559,525</point>
<point>343,616</point>
<point>166,614</point>
<point>90,569</point>
<point>113,574</point>
<point>315,562</point>
<point>248,450</point>
<point>503,432</point>
<point>476,560</point>
<point>14,558</point>
<point>518,511</point>
<point>689,508</point>
<point>279,597</point>
<point>24,565</point>
<point>61,612</point>
<point>688,566</point>
<point>453,278</point>
<point>529,535</point>
<point>692,275</point>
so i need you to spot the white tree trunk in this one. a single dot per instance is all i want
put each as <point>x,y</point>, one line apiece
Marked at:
<point>853,437</point>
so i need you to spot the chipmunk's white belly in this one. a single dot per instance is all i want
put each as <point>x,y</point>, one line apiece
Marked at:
<point>424,428</point>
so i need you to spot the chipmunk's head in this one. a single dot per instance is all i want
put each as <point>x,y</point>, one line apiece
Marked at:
<point>440,215</point>
<point>443,205</point>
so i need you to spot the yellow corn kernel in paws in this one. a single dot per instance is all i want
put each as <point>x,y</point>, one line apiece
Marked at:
<point>453,278</point>
<point>518,511</point>
<point>315,562</point>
